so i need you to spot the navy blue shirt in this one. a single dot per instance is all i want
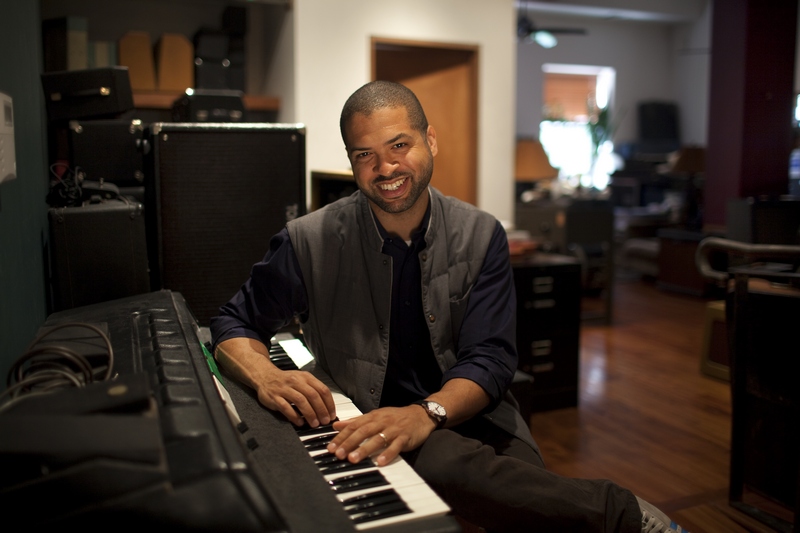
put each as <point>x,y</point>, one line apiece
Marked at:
<point>485,347</point>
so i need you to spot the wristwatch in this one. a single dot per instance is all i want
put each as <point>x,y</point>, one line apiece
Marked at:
<point>435,410</point>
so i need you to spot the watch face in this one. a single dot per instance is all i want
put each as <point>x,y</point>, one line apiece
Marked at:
<point>437,409</point>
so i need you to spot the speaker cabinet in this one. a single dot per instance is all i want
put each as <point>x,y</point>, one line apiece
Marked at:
<point>218,193</point>
<point>98,253</point>
<point>764,220</point>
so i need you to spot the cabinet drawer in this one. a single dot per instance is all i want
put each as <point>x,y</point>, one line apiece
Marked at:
<point>553,360</point>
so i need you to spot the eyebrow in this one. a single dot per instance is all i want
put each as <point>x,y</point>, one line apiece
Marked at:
<point>393,140</point>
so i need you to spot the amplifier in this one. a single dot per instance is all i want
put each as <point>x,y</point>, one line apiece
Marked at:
<point>214,195</point>
<point>91,93</point>
<point>208,105</point>
<point>108,150</point>
<point>98,253</point>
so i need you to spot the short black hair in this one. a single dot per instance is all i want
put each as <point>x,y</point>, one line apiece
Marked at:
<point>379,95</point>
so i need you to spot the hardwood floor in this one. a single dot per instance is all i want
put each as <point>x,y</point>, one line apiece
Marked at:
<point>648,418</point>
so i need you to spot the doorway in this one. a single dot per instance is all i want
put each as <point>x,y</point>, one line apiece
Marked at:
<point>445,79</point>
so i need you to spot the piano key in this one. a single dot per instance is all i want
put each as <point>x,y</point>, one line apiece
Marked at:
<point>307,431</point>
<point>343,465</point>
<point>407,497</point>
<point>320,442</point>
<point>391,509</point>
<point>375,505</point>
<point>352,482</point>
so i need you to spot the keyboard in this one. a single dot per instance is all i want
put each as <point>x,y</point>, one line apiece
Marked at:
<point>371,495</point>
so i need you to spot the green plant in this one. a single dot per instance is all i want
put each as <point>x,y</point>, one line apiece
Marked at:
<point>600,127</point>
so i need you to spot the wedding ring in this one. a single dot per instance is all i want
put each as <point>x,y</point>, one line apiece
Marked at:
<point>385,440</point>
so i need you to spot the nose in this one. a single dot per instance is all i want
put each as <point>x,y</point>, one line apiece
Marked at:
<point>385,166</point>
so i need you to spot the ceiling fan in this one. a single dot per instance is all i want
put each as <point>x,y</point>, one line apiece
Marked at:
<point>545,37</point>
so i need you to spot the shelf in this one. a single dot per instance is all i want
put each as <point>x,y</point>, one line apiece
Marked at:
<point>164,100</point>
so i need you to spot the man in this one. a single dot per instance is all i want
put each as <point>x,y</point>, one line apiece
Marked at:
<point>406,299</point>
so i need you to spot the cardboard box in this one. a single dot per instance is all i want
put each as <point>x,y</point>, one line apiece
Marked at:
<point>174,62</point>
<point>136,53</point>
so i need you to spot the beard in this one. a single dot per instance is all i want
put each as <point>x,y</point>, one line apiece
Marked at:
<point>419,184</point>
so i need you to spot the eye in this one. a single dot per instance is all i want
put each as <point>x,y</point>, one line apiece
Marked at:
<point>400,145</point>
<point>362,155</point>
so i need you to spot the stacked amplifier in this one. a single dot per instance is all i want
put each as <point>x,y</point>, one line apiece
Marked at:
<point>97,241</point>
<point>187,205</point>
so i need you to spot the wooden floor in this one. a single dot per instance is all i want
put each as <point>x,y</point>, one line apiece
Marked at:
<point>647,418</point>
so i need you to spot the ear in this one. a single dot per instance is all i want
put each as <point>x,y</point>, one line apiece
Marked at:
<point>431,137</point>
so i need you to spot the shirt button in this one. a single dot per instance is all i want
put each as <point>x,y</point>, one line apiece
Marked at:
<point>380,326</point>
<point>372,391</point>
<point>431,318</point>
<point>424,256</point>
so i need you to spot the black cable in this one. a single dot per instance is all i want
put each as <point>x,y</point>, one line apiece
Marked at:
<point>65,188</point>
<point>52,366</point>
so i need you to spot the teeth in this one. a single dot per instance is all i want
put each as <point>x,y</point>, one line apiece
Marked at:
<point>392,186</point>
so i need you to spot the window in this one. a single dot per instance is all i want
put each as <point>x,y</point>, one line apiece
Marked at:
<point>573,95</point>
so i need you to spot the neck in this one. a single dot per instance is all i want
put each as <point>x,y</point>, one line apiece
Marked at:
<point>402,225</point>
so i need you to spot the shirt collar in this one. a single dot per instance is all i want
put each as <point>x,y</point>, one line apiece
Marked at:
<point>417,235</point>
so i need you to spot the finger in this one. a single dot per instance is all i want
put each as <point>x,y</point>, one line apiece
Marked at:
<point>323,403</point>
<point>350,438</point>
<point>392,450</point>
<point>368,447</point>
<point>289,410</point>
<point>311,398</point>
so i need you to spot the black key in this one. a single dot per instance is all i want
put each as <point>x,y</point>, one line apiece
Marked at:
<point>284,362</point>
<point>308,430</point>
<point>353,482</point>
<point>364,502</point>
<point>318,443</point>
<point>346,466</point>
<point>391,509</point>
<point>325,459</point>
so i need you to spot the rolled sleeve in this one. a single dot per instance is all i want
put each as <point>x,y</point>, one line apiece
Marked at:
<point>268,300</point>
<point>487,352</point>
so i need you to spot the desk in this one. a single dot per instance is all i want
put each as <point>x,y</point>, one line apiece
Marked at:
<point>548,288</point>
<point>582,228</point>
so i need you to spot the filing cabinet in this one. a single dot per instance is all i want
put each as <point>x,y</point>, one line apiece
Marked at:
<point>548,289</point>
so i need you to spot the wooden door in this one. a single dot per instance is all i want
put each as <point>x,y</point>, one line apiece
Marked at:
<point>445,79</point>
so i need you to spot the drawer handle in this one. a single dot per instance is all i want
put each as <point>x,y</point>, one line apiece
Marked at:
<point>543,367</point>
<point>543,347</point>
<point>542,284</point>
<point>544,303</point>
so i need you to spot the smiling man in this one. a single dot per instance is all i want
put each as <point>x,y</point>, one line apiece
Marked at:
<point>406,299</point>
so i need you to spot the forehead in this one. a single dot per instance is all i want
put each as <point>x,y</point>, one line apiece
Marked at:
<point>384,122</point>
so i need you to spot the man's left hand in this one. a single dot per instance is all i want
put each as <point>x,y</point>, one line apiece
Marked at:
<point>393,429</point>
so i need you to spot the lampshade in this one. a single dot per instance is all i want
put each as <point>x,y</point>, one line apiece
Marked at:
<point>532,163</point>
<point>691,160</point>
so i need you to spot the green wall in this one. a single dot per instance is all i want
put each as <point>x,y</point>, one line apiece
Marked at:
<point>23,209</point>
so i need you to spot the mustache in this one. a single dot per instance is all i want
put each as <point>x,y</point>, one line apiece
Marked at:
<point>393,176</point>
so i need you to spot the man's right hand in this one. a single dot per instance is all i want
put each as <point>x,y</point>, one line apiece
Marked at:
<point>297,394</point>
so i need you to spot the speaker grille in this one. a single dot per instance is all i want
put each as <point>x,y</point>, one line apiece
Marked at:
<point>221,191</point>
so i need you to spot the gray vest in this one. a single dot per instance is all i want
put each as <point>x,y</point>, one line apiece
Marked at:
<point>349,283</point>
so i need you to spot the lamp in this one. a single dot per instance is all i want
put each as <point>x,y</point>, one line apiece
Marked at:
<point>691,160</point>
<point>544,38</point>
<point>532,163</point>
<point>531,166</point>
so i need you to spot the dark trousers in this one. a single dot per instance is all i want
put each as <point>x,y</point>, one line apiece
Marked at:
<point>498,482</point>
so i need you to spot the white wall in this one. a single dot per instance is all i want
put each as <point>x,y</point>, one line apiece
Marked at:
<point>651,63</point>
<point>332,59</point>
<point>692,60</point>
